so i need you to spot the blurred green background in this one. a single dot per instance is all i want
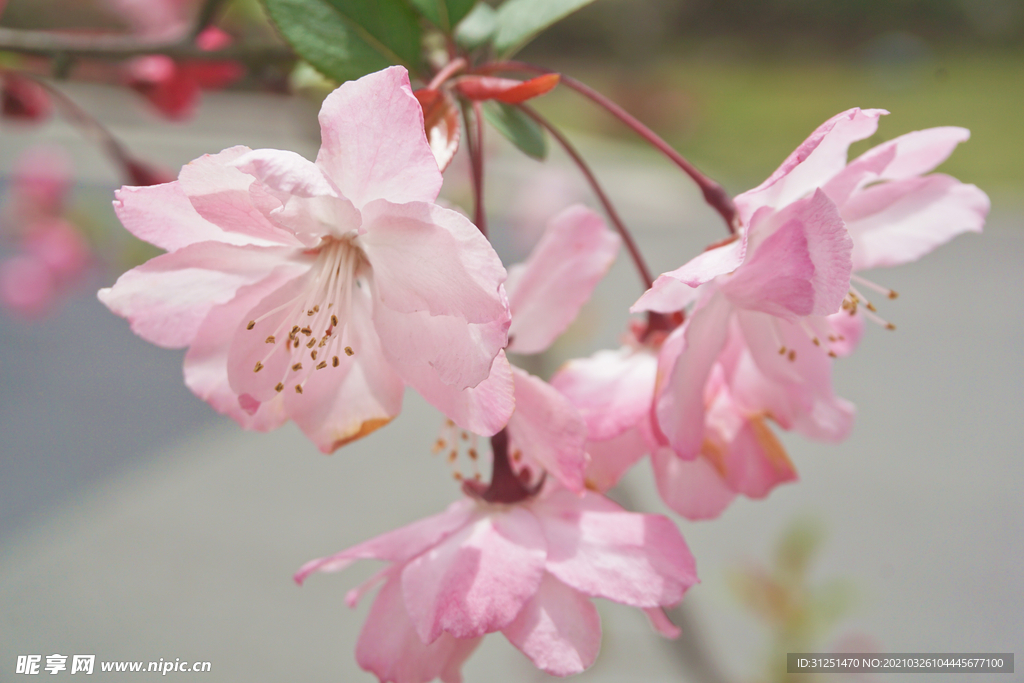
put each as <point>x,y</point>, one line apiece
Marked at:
<point>737,84</point>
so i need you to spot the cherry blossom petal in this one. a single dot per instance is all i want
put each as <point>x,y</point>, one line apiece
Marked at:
<point>484,409</point>
<point>661,623</point>
<point>546,291</point>
<point>476,580</point>
<point>168,297</point>
<point>612,458</point>
<point>374,145</point>
<point>755,462</point>
<point>802,265</point>
<point>221,194</point>
<point>558,629</point>
<point>362,393</point>
<point>428,258</point>
<point>898,222</point>
<point>797,393</point>
<point>612,390</point>
<point>310,205</point>
<point>680,407</point>
<point>603,551</point>
<point>694,489</point>
<point>163,216</point>
<point>423,348</point>
<point>820,157</point>
<point>206,363</point>
<point>666,296</point>
<point>398,545</point>
<point>389,647</point>
<point>547,430</point>
<point>907,156</point>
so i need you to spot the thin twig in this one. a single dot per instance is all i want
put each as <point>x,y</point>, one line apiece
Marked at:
<point>475,166</point>
<point>478,122</point>
<point>613,215</point>
<point>714,194</point>
<point>85,121</point>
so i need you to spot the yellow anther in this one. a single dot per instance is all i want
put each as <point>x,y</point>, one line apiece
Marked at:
<point>252,324</point>
<point>349,351</point>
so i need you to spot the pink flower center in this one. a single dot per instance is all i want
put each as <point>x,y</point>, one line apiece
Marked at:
<point>312,329</point>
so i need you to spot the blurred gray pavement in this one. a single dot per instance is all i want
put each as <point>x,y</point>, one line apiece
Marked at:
<point>135,524</point>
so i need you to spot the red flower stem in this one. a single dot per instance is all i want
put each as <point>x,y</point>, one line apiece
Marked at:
<point>613,215</point>
<point>474,140</point>
<point>449,70</point>
<point>480,214</point>
<point>715,196</point>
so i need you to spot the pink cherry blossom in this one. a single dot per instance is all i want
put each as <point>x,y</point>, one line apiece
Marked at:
<point>614,391</point>
<point>526,570</point>
<point>894,212</point>
<point>789,267</point>
<point>316,291</point>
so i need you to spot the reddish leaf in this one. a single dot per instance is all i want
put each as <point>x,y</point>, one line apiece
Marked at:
<point>505,90</point>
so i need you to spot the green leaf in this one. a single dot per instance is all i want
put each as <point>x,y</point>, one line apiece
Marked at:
<point>347,39</point>
<point>478,27</point>
<point>519,21</point>
<point>520,129</point>
<point>443,13</point>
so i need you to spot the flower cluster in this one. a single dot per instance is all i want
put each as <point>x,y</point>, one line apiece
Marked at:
<point>317,291</point>
<point>53,254</point>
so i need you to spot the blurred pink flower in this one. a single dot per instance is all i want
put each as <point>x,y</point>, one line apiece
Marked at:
<point>23,99</point>
<point>53,253</point>
<point>157,19</point>
<point>173,87</point>
<point>317,291</point>
<point>527,570</point>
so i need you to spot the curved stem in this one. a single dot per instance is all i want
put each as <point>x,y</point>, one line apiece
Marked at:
<point>86,121</point>
<point>449,70</point>
<point>480,214</point>
<point>613,215</point>
<point>476,166</point>
<point>714,194</point>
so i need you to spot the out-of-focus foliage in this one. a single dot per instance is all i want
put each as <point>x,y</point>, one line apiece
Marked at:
<point>519,21</point>
<point>798,613</point>
<point>633,29</point>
